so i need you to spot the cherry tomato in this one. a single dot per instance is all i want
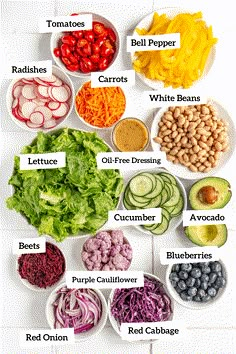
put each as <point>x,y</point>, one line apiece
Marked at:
<point>82,42</point>
<point>89,35</point>
<point>65,50</point>
<point>57,52</point>
<point>105,51</point>
<point>84,68</point>
<point>87,49</point>
<point>70,40</point>
<point>80,52</point>
<point>73,67</point>
<point>111,34</point>
<point>100,41</point>
<point>98,28</point>
<point>88,63</point>
<point>103,63</point>
<point>108,44</point>
<point>72,58</point>
<point>66,61</point>
<point>78,34</point>
<point>95,58</point>
<point>95,48</point>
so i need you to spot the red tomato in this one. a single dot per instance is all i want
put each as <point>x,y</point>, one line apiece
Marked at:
<point>70,40</point>
<point>80,52</point>
<point>57,52</point>
<point>78,34</point>
<point>111,34</point>
<point>108,44</point>
<point>87,49</point>
<point>98,28</point>
<point>105,51</point>
<point>88,63</point>
<point>65,50</point>
<point>66,61</point>
<point>82,42</point>
<point>89,35</point>
<point>95,58</point>
<point>73,67</point>
<point>103,63</point>
<point>73,59</point>
<point>95,48</point>
<point>100,41</point>
<point>83,67</point>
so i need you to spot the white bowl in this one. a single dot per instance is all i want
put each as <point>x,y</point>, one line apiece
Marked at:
<point>55,37</point>
<point>113,321</point>
<point>193,304</point>
<point>175,221</point>
<point>146,23</point>
<point>61,75</point>
<point>182,171</point>
<point>35,287</point>
<point>84,335</point>
<point>94,126</point>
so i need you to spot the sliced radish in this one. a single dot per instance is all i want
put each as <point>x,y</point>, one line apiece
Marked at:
<point>60,94</point>
<point>28,108</point>
<point>27,81</point>
<point>47,113</point>
<point>22,100</point>
<point>43,91</point>
<point>61,111</point>
<point>32,125</point>
<point>17,91</point>
<point>39,102</point>
<point>53,105</point>
<point>51,123</point>
<point>57,83</point>
<point>15,103</point>
<point>28,92</point>
<point>48,79</point>
<point>37,80</point>
<point>17,115</point>
<point>68,90</point>
<point>37,118</point>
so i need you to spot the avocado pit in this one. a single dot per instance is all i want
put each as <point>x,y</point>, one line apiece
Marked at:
<point>208,195</point>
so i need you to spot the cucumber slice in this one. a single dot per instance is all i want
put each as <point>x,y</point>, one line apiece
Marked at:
<point>174,199</point>
<point>178,207</point>
<point>156,191</point>
<point>150,227</point>
<point>127,205</point>
<point>141,199</point>
<point>141,185</point>
<point>164,196</point>
<point>169,189</point>
<point>170,209</point>
<point>134,202</point>
<point>161,228</point>
<point>154,203</point>
<point>168,176</point>
<point>159,178</point>
<point>165,214</point>
<point>151,176</point>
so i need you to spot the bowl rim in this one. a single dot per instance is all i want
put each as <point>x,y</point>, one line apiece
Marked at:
<point>97,329</point>
<point>9,100</point>
<point>191,304</point>
<point>184,194</point>
<point>78,74</point>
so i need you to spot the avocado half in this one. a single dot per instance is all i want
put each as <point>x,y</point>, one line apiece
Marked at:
<point>207,235</point>
<point>210,193</point>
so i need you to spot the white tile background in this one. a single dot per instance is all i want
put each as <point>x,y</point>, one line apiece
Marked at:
<point>211,331</point>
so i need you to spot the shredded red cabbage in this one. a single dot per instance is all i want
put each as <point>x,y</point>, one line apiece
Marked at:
<point>80,309</point>
<point>144,304</point>
<point>42,269</point>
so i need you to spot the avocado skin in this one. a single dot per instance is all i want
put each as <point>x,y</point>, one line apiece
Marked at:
<point>220,184</point>
<point>218,241</point>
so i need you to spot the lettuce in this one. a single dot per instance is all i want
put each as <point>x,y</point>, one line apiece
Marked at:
<point>70,200</point>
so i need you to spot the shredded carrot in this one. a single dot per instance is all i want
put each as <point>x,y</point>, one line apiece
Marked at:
<point>101,106</point>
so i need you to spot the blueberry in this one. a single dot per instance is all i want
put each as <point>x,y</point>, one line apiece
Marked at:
<point>206,298</point>
<point>175,268</point>
<point>197,298</point>
<point>212,278</point>
<point>173,283</point>
<point>216,267</point>
<point>184,296</point>
<point>197,283</point>
<point>219,274</point>
<point>174,276</point>
<point>212,292</point>
<point>190,282</point>
<point>206,270</point>
<point>192,292</point>
<point>183,275</point>
<point>201,293</point>
<point>196,273</point>
<point>220,282</point>
<point>178,290</point>
<point>186,266</point>
<point>182,285</point>
<point>204,278</point>
<point>204,285</point>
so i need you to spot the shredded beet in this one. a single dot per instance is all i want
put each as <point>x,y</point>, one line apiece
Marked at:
<point>42,269</point>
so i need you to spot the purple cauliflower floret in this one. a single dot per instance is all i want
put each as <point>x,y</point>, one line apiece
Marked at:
<point>92,244</point>
<point>126,251</point>
<point>105,258</point>
<point>96,257</point>
<point>117,237</point>
<point>106,267</point>
<point>105,240</point>
<point>85,256</point>
<point>115,249</point>
<point>120,262</point>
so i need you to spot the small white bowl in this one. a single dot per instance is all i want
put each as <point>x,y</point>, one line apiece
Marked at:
<point>114,322</point>
<point>92,237</point>
<point>193,304</point>
<point>84,335</point>
<point>61,75</point>
<point>94,126</point>
<point>35,287</point>
<point>175,221</point>
<point>55,38</point>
